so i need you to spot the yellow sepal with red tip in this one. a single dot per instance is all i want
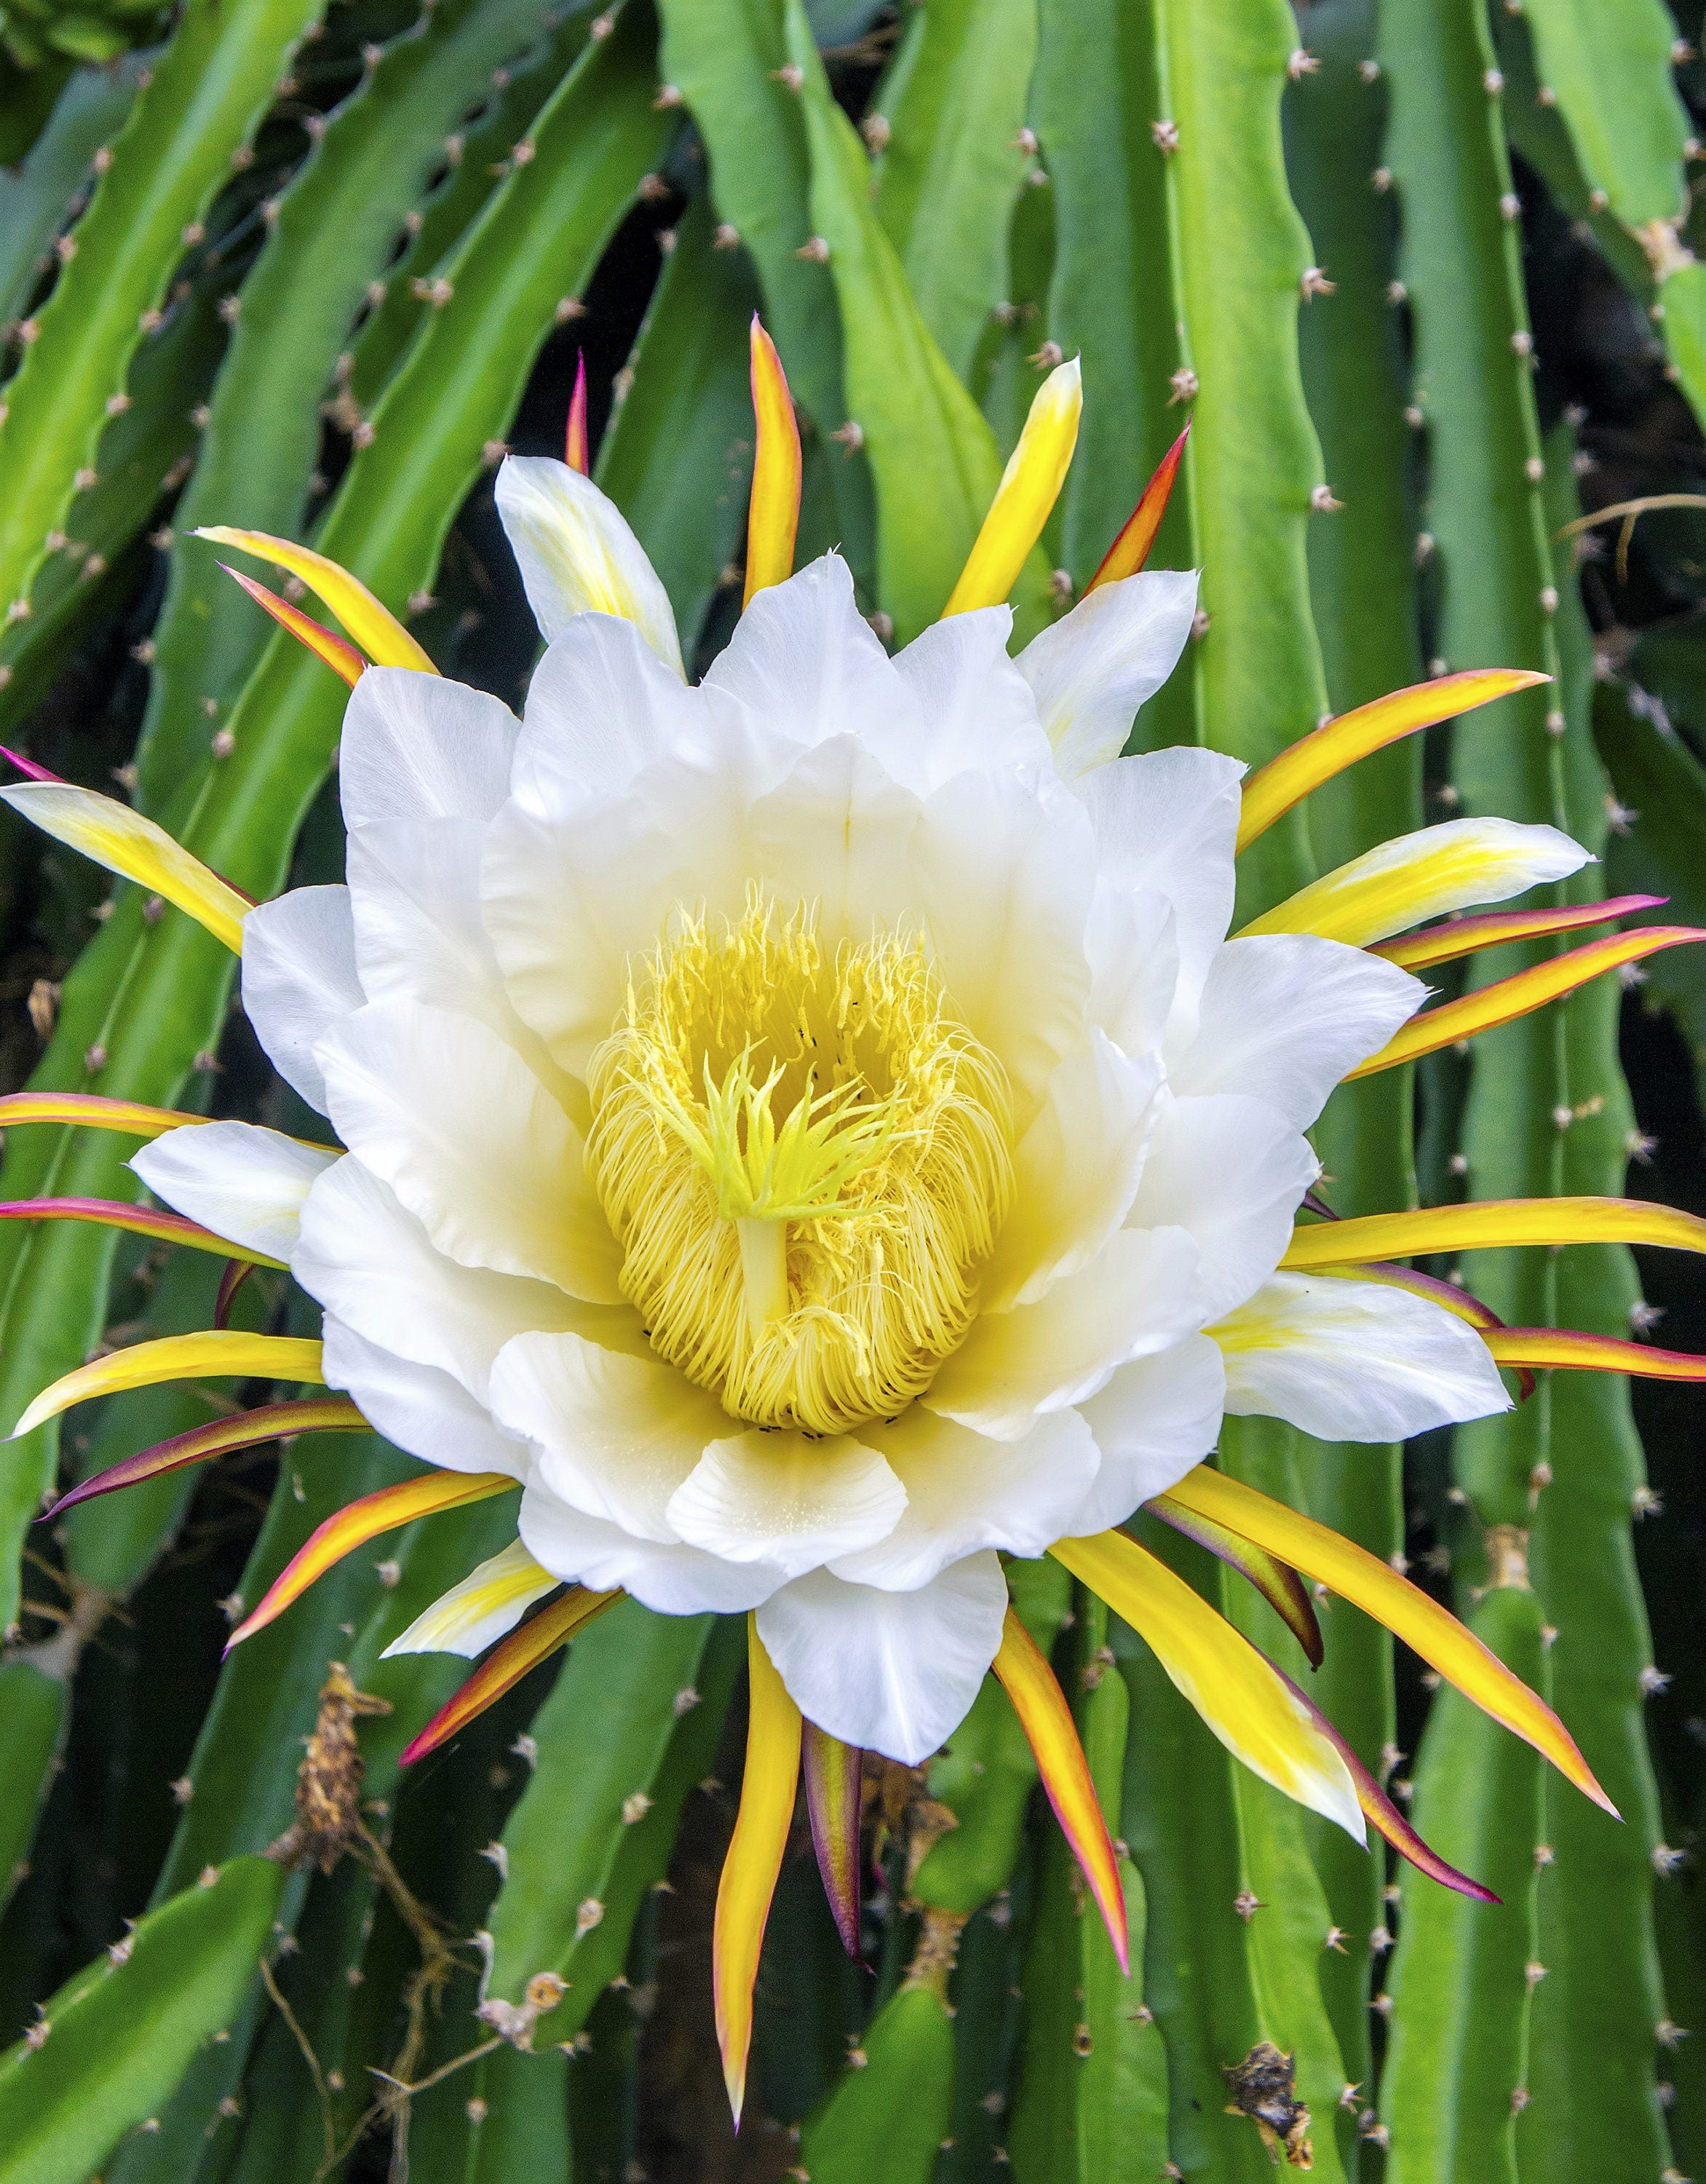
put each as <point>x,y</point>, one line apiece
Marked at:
<point>1507,999</point>
<point>137,1220</point>
<point>773,511</point>
<point>1125,557</point>
<point>1406,1611</point>
<point>218,1354</point>
<point>1272,790</point>
<point>1568,1347</point>
<point>343,659</point>
<point>576,449</point>
<point>1486,1224</point>
<point>1029,486</point>
<point>357,1522</point>
<point>506,1663</point>
<point>1052,1735</point>
<point>754,1859</point>
<point>373,627</point>
<point>111,834</point>
<point>1494,928</point>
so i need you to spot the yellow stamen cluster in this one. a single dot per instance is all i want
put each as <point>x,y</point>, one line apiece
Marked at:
<point>805,1159</point>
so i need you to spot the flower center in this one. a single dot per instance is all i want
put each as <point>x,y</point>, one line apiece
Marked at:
<point>805,1159</point>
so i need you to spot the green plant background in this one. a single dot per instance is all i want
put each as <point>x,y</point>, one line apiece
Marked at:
<point>1418,275</point>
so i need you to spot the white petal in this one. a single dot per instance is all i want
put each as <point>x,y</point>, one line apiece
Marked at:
<point>1131,945</point>
<point>965,1491</point>
<point>601,707</point>
<point>1094,667</point>
<point>245,1183</point>
<point>417,1408</point>
<point>674,1581</point>
<point>1156,1420</point>
<point>974,707</point>
<point>1354,1361</point>
<point>787,1499</point>
<point>366,1259</point>
<point>838,834</point>
<point>1232,1171</point>
<point>803,656</point>
<point>438,1107</point>
<point>888,1672</point>
<point>1076,1171</point>
<point>419,746</point>
<point>299,978</point>
<point>1167,821</point>
<point>491,1600</point>
<point>617,1435</point>
<point>1141,1292</point>
<point>1426,874</point>
<point>1286,1017</point>
<point>577,554</point>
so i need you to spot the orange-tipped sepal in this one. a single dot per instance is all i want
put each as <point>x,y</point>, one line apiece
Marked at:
<point>374,628</point>
<point>833,1772</point>
<point>1272,790</point>
<point>1444,1643</point>
<point>1053,1735</point>
<point>1568,1347</point>
<point>1277,1582</point>
<point>754,1859</point>
<point>575,449</point>
<point>326,644</point>
<point>1490,1224</point>
<point>506,1663</point>
<point>1467,936</point>
<point>1507,999</point>
<point>218,1437</point>
<point>357,1522</point>
<point>1130,549</point>
<point>773,513</point>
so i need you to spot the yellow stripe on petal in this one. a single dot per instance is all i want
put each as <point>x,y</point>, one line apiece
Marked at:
<point>1488,1223</point>
<point>1272,790</point>
<point>1053,1735</point>
<point>343,659</point>
<point>111,834</point>
<point>1235,1690</point>
<point>357,1522</point>
<point>373,627</point>
<point>217,1355</point>
<point>1425,875</point>
<point>490,1601</point>
<point>754,1859</point>
<point>1507,999</point>
<point>506,1663</point>
<point>128,1117</point>
<point>1406,1611</point>
<point>1567,1346</point>
<point>1029,486</point>
<point>773,512</point>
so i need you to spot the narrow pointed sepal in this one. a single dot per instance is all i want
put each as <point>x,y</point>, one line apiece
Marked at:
<point>128,1117</point>
<point>1445,1644</point>
<point>1495,928</point>
<point>1028,487</point>
<point>219,1437</point>
<point>136,1220</point>
<point>343,660</point>
<point>833,1772</point>
<point>357,1522</point>
<point>1272,789</point>
<point>1490,1223</point>
<point>506,1663</point>
<point>773,511</point>
<point>1277,1582</point>
<point>217,1356</point>
<point>237,1273</point>
<point>1053,1735</point>
<point>754,1859</point>
<point>1553,1347</point>
<point>110,833</point>
<point>373,627</point>
<point>1130,549</point>
<point>576,447</point>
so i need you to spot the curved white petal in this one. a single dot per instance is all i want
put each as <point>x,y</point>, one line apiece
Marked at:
<point>974,707</point>
<point>803,656</point>
<point>1232,1171</point>
<point>244,1183</point>
<point>298,980</point>
<point>491,1600</point>
<point>418,1408</point>
<point>787,1499</point>
<point>1141,1291</point>
<point>1075,1171</point>
<point>439,1108</point>
<point>964,1493</point>
<point>1286,1017</point>
<point>1155,1420</point>
<point>1354,1359</point>
<point>1438,869</point>
<point>837,834</point>
<point>617,1435</point>
<point>674,1581</point>
<point>888,1672</point>
<point>577,554</point>
<point>601,706</point>
<point>1131,942</point>
<point>417,746</point>
<point>365,1258</point>
<point>1094,667</point>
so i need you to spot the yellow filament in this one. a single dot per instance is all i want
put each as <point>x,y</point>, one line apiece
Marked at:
<point>805,1159</point>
